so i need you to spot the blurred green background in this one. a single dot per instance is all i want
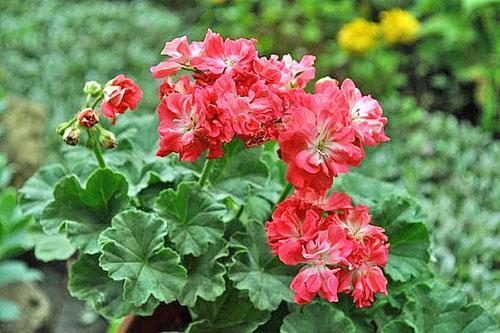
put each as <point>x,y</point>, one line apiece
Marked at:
<point>433,66</point>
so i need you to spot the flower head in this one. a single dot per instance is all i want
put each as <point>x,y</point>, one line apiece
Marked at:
<point>120,94</point>
<point>318,143</point>
<point>88,118</point>
<point>358,36</point>
<point>398,26</point>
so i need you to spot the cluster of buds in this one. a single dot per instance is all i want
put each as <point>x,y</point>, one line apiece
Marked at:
<point>117,96</point>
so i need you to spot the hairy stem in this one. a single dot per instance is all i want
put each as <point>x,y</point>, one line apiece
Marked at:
<point>94,142</point>
<point>205,172</point>
<point>286,191</point>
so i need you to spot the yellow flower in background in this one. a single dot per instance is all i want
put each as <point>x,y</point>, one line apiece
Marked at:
<point>358,36</point>
<point>398,25</point>
<point>218,2</point>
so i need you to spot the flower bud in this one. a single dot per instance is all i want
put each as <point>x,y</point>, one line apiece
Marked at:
<point>71,136</point>
<point>61,128</point>
<point>92,88</point>
<point>88,118</point>
<point>107,139</point>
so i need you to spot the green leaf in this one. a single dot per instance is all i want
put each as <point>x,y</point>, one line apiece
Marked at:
<point>205,275</point>
<point>239,173</point>
<point>442,309</point>
<point>397,326</point>
<point>88,282</point>
<point>86,212</point>
<point>13,226</point>
<point>12,271</point>
<point>230,313</point>
<point>52,247</point>
<point>133,250</point>
<point>8,310</point>
<point>256,270</point>
<point>37,192</point>
<point>393,209</point>
<point>317,318</point>
<point>194,218</point>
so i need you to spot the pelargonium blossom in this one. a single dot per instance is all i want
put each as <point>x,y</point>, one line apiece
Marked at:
<point>339,248</point>
<point>120,94</point>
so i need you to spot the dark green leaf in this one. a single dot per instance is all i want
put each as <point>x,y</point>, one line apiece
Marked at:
<point>133,250</point>
<point>88,282</point>
<point>86,212</point>
<point>230,313</point>
<point>317,318</point>
<point>205,275</point>
<point>194,218</point>
<point>256,270</point>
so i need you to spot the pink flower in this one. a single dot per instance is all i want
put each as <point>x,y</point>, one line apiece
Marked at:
<point>329,247</point>
<point>313,198</point>
<point>366,115</point>
<point>313,280</point>
<point>318,144</point>
<point>298,74</point>
<point>368,278</point>
<point>179,129</point>
<point>180,52</point>
<point>356,222</point>
<point>223,56</point>
<point>120,94</point>
<point>289,229</point>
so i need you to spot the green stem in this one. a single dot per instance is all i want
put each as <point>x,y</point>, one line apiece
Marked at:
<point>286,191</point>
<point>97,100</point>
<point>94,142</point>
<point>205,172</point>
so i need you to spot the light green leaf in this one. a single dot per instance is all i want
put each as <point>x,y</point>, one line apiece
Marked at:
<point>86,212</point>
<point>12,271</point>
<point>133,250</point>
<point>318,318</point>
<point>230,313</point>
<point>256,270</point>
<point>8,310</point>
<point>442,309</point>
<point>393,209</point>
<point>37,192</point>
<point>205,275</point>
<point>52,247</point>
<point>88,282</point>
<point>194,218</point>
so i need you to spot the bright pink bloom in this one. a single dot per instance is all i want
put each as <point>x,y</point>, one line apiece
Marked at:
<point>313,280</point>
<point>313,198</point>
<point>366,115</point>
<point>224,56</point>
<point>271,70</point>
<point>356,222</point>
<point>298,74</point>
<point>289,229</point>
<point>120,94</point>
<point>318,144</point>
<point>368,278</point>
<point>180,52</point>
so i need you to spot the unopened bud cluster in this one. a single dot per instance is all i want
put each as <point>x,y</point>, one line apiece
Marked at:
<point>118,95</point>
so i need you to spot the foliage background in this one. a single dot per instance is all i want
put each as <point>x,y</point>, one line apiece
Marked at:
<point>50,47</point>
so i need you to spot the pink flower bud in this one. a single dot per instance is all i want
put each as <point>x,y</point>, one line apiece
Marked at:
<point>88,118</point>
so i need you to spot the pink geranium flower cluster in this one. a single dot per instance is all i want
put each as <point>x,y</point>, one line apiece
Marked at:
<point>340,249</point>
<point>233,92</point>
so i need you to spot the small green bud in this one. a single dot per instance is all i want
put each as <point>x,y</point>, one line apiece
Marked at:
<point>92,88</point>
<point>107,139</point>
<point>61,128</point>
<point>72,136</point>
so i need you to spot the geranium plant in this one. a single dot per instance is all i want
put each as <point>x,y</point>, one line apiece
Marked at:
<point>238,222</point>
